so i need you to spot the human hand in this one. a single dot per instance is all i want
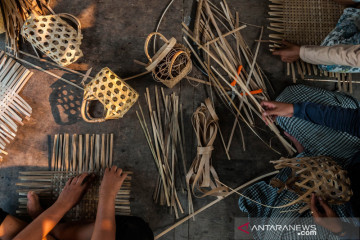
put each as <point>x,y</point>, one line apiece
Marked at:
<point>274,109</point>
<point>326,218</point>
<point>74,190</point>
<point>290,53</point>
<point>112,182</point>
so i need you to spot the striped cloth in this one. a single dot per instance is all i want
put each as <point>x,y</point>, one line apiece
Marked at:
<point>317,140</point>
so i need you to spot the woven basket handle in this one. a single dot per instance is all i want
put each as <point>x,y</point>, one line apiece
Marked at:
<point>146,47</point>
<point>173,59</point>
<point>73,19</point>
<point>86,116</point>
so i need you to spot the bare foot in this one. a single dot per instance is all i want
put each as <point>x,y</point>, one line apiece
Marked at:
<point>33,205</point>
<point>298,146</point>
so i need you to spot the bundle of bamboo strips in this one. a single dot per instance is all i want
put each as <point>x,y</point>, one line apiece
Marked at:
<point>14,14</point>
<point>13,108</point>
<point>289,21</point>
<point>167,147</point>
<point>202,174</point>
<point>229,62</point>
<point>70,157</point>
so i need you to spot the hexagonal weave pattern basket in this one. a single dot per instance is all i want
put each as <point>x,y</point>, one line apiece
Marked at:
<point>320,175</point>
<point>116,96</point>
<point>55,37</point>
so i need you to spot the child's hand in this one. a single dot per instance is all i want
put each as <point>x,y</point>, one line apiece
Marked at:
<point>74,190</point>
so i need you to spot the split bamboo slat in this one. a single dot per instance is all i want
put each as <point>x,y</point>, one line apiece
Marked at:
<point>305,22</point>
<point>13,108</point>
<point>167,145</point>
<point>320,175</point>
<point>224,55</point>
<point>72,155</point>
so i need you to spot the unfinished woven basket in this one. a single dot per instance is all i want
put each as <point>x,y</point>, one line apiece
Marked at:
<point>116,96</point>
<point>320,175</point>
<point>71,156</point>
<point>55,37</point>
<point>305,22</point>
<point>171,63</point>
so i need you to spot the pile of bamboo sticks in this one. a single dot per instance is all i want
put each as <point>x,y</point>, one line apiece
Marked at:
<point>14,14</point>
<point>167,147</point>
<point>229,63</point>
<point>70,157</point>
<point>13,108</point>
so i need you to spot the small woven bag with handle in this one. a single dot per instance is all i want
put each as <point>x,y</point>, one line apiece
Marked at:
<point>107,88</point>
<point>171,62</point>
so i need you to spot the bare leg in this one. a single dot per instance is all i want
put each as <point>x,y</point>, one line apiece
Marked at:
<point>73,231</point>
<point>10,227</point>
<point>63,231</point>
<point>298,146</point>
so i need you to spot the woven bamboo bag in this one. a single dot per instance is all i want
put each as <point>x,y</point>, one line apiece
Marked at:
<point>171,62</point>
<point>116,96</point>
<point>55,37</point>
<point>320,175</point>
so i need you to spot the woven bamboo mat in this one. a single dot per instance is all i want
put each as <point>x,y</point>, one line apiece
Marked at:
<point>70,157</point>
<point>305,22</point>
<point>13,108</point>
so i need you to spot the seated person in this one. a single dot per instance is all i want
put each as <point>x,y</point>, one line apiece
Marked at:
<point>320,123</point>
<point>340,50</point>
<point>106,226</point>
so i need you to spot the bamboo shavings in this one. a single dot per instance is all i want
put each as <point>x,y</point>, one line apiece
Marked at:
<point>15,12</point>
<point>72,155</point>
<point>13,108</point>
<point>289,21</point>
<point>202,174</point>
<point>223,52</point>
<point>167,147</point>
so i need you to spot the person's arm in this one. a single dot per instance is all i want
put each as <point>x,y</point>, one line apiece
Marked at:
<point>326,217</point>
<point>105,226</point>
<point>338,118</point>
<point>45,222</point>
<point>346,55</point>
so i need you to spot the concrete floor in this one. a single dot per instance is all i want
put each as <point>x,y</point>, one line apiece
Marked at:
<point>114,34</point>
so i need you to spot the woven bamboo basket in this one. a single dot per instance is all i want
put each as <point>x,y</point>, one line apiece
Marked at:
<point>55,37</point>
<point>320,175</point>
<point>107,88</point>
<point>171,63</point>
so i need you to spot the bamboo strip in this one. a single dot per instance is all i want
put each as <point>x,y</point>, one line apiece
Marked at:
<point>214,202</point>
